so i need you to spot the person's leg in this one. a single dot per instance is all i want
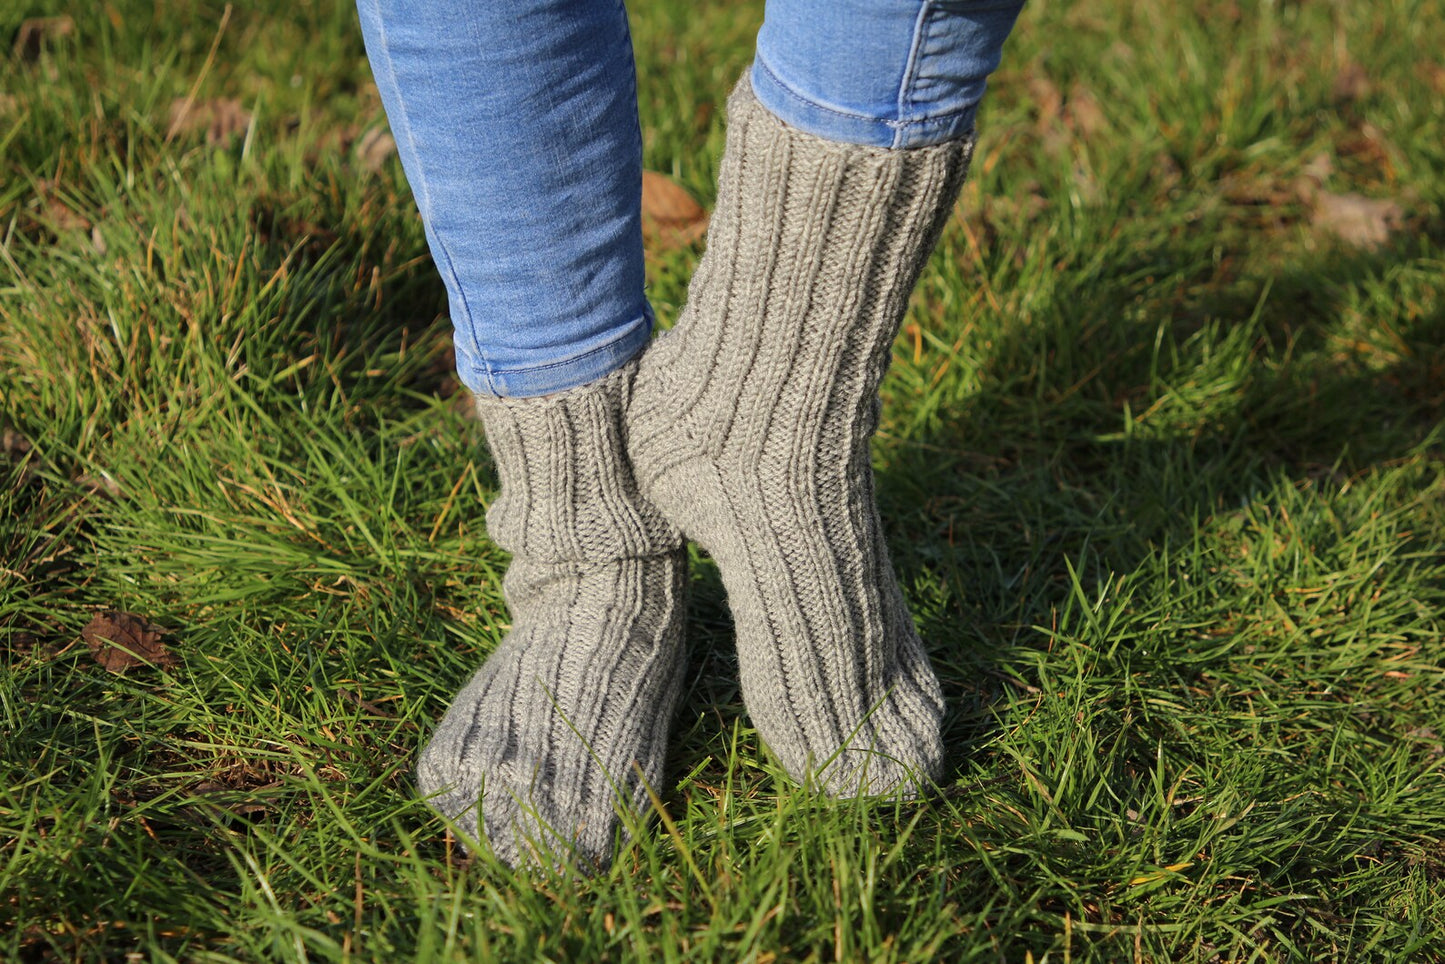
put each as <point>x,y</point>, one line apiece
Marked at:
<point>882,73</point>
<point>517,126</point>
<point>751,421</point>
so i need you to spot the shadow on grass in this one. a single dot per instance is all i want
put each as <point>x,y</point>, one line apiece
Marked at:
<point>1126,449</point>
<point>378,295</point>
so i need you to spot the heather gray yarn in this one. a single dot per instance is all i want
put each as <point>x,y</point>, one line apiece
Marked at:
<point>749,428</point>
<point>547,732</point>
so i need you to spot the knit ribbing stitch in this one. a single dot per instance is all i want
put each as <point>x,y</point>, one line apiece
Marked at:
<point>749,428</point>
<point>547,731</point>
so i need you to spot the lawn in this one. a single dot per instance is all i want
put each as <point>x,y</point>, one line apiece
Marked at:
<point>1162,465</point>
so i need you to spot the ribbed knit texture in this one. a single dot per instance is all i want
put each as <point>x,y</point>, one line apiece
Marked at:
<point>750,426</point>
<point>587,680</point>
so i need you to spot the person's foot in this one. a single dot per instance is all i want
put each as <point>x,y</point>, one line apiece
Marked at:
<point>540,751</point>
<point>750,424</point>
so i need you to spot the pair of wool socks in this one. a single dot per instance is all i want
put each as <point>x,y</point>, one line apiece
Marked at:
<point>745,428</point>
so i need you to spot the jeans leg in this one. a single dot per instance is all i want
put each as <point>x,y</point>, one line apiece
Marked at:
<point>517,127</point>
<point>884,73</point>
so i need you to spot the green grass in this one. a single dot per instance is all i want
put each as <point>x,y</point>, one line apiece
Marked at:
<point>1163,466</point>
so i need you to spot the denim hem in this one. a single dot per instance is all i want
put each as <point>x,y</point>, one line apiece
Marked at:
<point>836,125</point>
<point>559,376</point>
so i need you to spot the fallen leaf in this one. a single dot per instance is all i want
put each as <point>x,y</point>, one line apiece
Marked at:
<point>120,640</point>
<point>1228,12</point>
<point>1063,119</point>
<point>222,118</point>
<point>985,216</point>
<point>670,216</point>
<point>1166,172</point>
<point>19,644</point>
<point>330,142</point>
<point>1368,147</point>
<point>62,217</point>
<point>34,34</point>
<point>1082,113</point>
<point>1314,174</point>
<point>1356,220</point>
<point>49,214</point>
<point>242,801</point>
<point>1433,75</point>
<point>1047,100</point>
<point>354,697</point>
<point>102,484</point>
<point>1255,188</point>
<point>1429,737</point>
<point>274,224</point>
<point>1023,206</point>
<point>374,149</point>
<point>12,442</point>
<point>702,114</point>
<point>1351,84</point>
<point>1086,184</point>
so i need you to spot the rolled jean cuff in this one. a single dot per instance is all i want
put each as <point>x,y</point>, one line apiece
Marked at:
<point>572,372</point>
<point>834,124</point>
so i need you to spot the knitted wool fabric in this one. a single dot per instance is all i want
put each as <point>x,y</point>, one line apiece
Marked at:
<point>750,427</point>
<point>547,731</point>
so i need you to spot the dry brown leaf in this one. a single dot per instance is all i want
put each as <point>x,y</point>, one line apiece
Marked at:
<point>1256,188</point>
<point>374,149</point>
<point>1025,205</point>
<point>1166,172</point>
<point>984,215</point>
<point>1047,100</point>
<point>18,644</point>
<point>61,217</point>
<point>1429,737</point>
<point>120,640</point>
<point>1063,119</point>
<point>1316,172</point>
<point>1356,220</point>
<point>99,485</point>
<point>243,801</point>
<point>354,697</point>
<point>332,141</point>
<point>12,442</point>
<point>221,118</point>
<point>1368,147</point>
<point>34,34</point>
<point>1351,84</point>
<point>671,218</point>
<point>1082,113</point>
<point>1433,74</point>
<point>1086,184</point>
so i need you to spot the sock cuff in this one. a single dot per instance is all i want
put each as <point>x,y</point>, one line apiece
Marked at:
<point>813,250</point>
<point>896,197</point>
<point>743,107</point>
<point>567,489</point>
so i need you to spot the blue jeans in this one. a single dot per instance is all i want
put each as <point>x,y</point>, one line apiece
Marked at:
<point>517,126</point>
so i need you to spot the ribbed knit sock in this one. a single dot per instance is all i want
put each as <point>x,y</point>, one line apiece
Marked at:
<point>546,733</point>
<point>750,426</point>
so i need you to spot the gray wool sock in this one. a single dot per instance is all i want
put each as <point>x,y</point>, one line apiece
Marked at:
<point>547,732</point>
<point>750,427</point>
